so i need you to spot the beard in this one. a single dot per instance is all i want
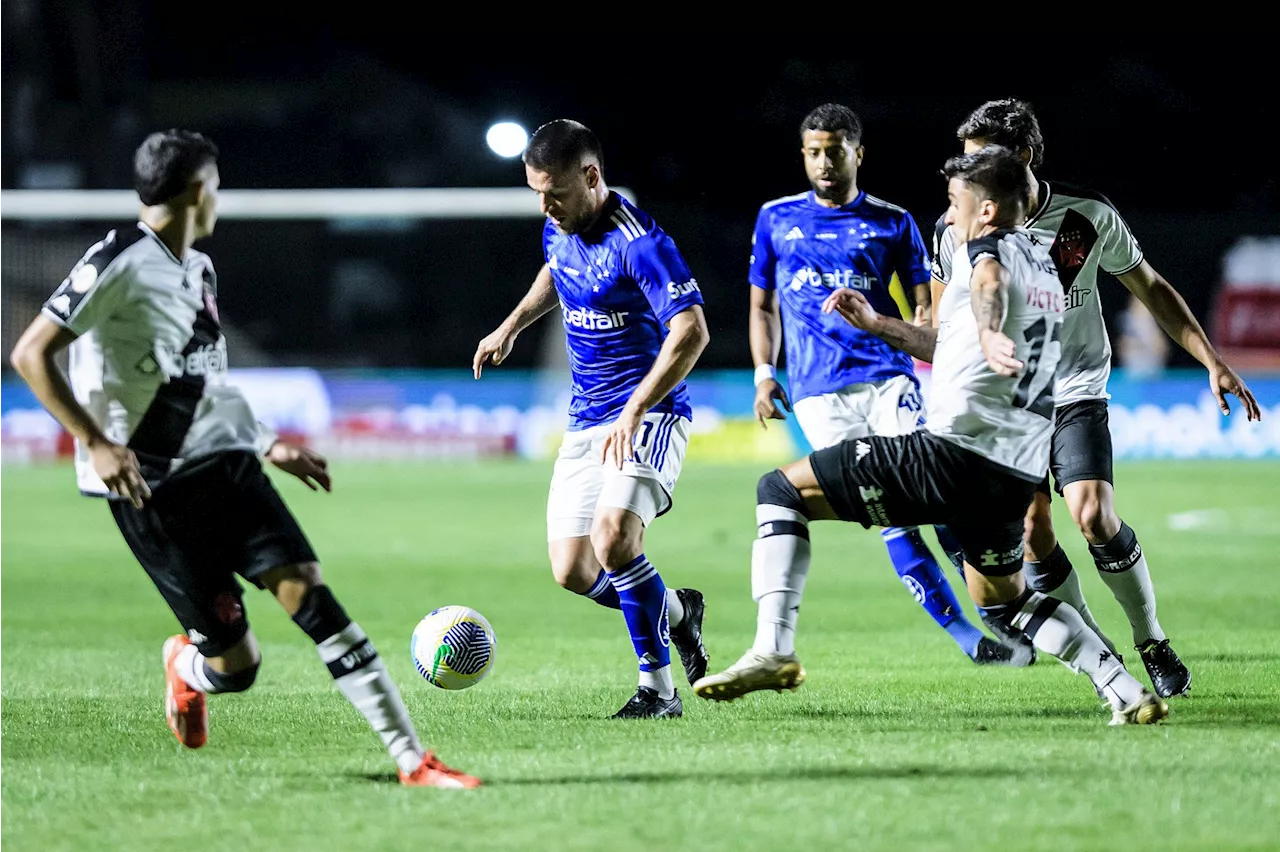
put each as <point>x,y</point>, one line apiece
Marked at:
<point>836,192</point>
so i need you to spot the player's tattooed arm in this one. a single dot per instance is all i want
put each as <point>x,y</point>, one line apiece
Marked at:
<point>33,357</point>
<point>497,345</point>
<point>1173,315</point>
<point>918,341</point>
<point>989,297</point>
<point>688,336</point>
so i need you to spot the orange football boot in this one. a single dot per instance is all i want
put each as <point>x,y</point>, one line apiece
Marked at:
<point>433,773</point>
<point>185,709</point>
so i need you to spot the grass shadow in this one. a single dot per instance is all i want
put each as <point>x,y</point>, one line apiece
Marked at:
<point>797,773</point>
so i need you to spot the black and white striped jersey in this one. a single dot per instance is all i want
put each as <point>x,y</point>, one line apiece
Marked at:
<point>1084,233</point>
<point>149,362</point>
<point>1008,420</point>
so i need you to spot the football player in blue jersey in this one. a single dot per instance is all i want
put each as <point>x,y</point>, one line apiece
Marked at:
<point>844,382</point>
<point>634,326</point>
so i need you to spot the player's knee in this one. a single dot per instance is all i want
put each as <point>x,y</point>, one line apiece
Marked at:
<point>774,489</point>
<point>614,544</point>
<point>290,584</point>
<point>237,681</point>
<point>1090,516</point>
<point>569,569</point>
<point>320,615</point>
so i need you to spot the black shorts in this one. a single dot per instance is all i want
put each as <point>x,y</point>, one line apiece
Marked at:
<point>919,478</point>
<point>217,517</point>
<point>1081,445</point>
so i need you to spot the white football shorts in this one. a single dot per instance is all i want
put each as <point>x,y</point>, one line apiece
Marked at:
<point>581,482</point>
<point>890,407</point>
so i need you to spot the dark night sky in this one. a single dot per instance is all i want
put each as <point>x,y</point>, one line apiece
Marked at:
<point>1178,125</point>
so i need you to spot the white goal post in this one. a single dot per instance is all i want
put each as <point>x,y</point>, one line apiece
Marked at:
<point>435,203</point>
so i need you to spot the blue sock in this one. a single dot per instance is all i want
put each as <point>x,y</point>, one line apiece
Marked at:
<point>924,579</point>
<point>603,592</point>
<point>643,597</point>
<point>951,547</point>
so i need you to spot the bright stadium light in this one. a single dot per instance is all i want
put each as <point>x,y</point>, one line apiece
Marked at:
<point>507,139</point>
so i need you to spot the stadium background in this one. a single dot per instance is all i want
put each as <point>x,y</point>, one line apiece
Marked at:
<point>700,140</point>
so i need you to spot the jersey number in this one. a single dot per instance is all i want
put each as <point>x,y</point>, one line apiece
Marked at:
<point>1043,403</point>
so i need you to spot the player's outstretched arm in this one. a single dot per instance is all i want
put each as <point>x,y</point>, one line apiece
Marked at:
<point>33,358</point>
<point>1171,311</point>
<point>540,299</point>
<point>765,333</point>
<point>688,336</point>
<point>918,341</point>
<point>990,301</point>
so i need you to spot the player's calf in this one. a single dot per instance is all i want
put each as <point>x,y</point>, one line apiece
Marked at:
<point>351,658</point>
<point>617,537</point>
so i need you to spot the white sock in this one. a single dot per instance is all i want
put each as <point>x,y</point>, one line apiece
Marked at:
<point>659,680</point>
<point>363,679</point>
<point>190,667</point>
<point>1058,630</point>
<point>1054,576</point>
<point>1123,567</point>
<point>779,566</point>
<point>675,609</point>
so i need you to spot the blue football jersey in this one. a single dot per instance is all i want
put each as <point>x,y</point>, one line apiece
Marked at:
<point>619,283</point>
<point>804,251</point>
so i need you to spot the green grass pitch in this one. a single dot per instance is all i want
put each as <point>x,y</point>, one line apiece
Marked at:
<point>896,741</point>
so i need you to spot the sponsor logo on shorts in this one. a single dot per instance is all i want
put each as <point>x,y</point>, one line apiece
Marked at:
<point>228,608</point>
<point>861,449</point>
<point>871,497</point>
<point>992,559</point>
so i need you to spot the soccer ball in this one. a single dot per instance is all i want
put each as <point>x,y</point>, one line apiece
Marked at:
<point>453,647</point>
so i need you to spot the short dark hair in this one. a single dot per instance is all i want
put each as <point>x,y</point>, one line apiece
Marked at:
<point>167,161</point>
<point>830,118</point>
<point>561,144</point>
<point>1008,122</point>
<point>996,173</point>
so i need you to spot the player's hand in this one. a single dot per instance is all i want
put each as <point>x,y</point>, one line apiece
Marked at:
<point>854,307</point>
<point>302,462</point>
<point>1000,351</point>
<point>117,467</point>
<point>767,392</point>
<point>1222,381</point>
<point>619,440</point>
<point>922,319</point>
<point>495,347</point>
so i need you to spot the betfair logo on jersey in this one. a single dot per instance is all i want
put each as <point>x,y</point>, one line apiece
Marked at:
<point>589,320</point>
<point>203,361</point>
<point>1077,296</point>
<point>832,280</point>
<point>675,291</point>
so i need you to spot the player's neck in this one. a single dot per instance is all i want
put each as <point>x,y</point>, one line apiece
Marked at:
<point>1033,201</point>
<point>176,229</point>
<point>601,197</point>
<point>834,203</point>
